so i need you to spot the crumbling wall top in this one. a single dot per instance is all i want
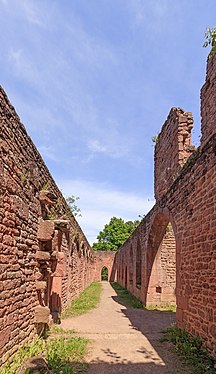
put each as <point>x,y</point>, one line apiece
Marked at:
<point>172,149</point>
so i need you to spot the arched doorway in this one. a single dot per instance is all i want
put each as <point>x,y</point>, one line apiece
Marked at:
<point>160,264</point>
<point>131,269</point>
<point>138,265</point>
<point>126,277</point>
<point>104,274</point>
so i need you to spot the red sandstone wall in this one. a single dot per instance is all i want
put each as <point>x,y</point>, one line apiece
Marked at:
<point>189,202</point>
<point>190,205</point>
<point>42,263</point>
<point>208,100</point>
<point>105,258</point>
<point>172,149</point>
<point>158,262</point>
<point>162,281</point>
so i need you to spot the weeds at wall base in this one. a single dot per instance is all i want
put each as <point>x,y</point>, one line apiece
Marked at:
<point>191,350</point>
<point>87,300</point>
<point>62,355</point>
<point>162,308</point>
<point>126,297</point>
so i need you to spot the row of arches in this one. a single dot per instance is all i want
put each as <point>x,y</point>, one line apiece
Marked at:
<point>146,266</point>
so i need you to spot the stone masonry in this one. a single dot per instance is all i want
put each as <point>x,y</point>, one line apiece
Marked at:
<point>179,234</point>
<point>46,260</point>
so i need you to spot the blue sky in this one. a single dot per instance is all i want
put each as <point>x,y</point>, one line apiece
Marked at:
<point>93,81</point>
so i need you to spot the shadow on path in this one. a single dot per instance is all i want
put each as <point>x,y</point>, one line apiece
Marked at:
<point>127,340</point>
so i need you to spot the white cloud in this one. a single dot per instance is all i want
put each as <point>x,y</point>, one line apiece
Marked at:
<point>48,152</point>
<point>96,146</point>
<point>148,12</point>
<point>32,13</point>
<point>114,148</point>
<point>23,66</point>
<point>100,202</point>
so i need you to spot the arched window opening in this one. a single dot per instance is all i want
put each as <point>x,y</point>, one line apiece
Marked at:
<point>131,266</point>
<point>122,271</point>
<point>138,265</point>
<point>161,264</point>
<point>104,274</point>
<point>126,277</point>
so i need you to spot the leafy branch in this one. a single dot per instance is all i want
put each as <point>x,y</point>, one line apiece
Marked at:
<point>73,208</point>
<point>210,36</point>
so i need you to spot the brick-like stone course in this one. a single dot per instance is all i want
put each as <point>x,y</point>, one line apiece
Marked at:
<point>172,149</point>
<point>37,253</point>
<point>185,191</point>
<point>208,100</point>
<point>45,259</point>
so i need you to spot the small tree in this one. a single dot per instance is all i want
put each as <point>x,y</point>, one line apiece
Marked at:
<point>210,36</point>
<point>73,208</point>
<point>114,234</point>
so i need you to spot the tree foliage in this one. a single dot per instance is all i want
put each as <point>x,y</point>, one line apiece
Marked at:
<point>114,234</point>
<point>210,36</point>
<point>73,208</point>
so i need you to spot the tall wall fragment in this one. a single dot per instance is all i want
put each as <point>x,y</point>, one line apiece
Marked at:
<point>45,259</point>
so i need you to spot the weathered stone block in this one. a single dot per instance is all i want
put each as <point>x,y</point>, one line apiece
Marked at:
<point>41,285</point>
<point>62,224</point>
<point>45,230</point>
<point>46,197</point>
<point>42,314</point>
<point>4,337</point>
<point>34,365</point>
<point>42,256</point>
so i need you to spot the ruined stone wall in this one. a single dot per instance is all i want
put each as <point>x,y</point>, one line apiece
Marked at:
<point>188,202</point>
<point>45,259</point>
<point>107,259</point>
<point>208,100</point>
<point>172,149</point>
<point>158,261</point>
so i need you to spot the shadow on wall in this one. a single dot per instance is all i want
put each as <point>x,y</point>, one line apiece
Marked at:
<point>55,307</point>
<point>146,263</point>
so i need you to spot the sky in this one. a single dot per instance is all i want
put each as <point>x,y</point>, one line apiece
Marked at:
<point>93,81</point>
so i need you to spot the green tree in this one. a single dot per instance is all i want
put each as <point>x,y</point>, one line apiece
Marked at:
<point>210,36</point>
<point>73,208</point>
<point>114,234</point>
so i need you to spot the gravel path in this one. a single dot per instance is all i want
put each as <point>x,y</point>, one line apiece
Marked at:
<point>126,340</point>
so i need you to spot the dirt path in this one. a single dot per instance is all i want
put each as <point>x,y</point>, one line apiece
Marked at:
<point>126,340</point>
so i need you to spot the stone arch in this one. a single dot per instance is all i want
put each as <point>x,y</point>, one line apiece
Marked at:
<point>104,273</point>
<point>126,277</point>
<point>131,265</point>
<point>160,262</point>
<point>122,268</point>
<point>138,264</point>
<point>107,259</point>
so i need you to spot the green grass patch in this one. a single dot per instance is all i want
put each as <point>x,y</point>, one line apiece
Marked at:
<point>59,330</point>
<point>191,350</point>
<point>126,297</point>
<point>63,355</point>
<point>86,301</point>
<point>162,308</point>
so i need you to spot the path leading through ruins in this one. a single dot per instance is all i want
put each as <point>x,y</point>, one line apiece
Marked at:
<point>126,340</point>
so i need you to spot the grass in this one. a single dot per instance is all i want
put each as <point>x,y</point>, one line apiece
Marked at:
<point>191,350</point>
<point>86,301</point>
<point>59,330</point>
<point>162,308</point>
<point>63,355</point>
<point>126,297</point>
